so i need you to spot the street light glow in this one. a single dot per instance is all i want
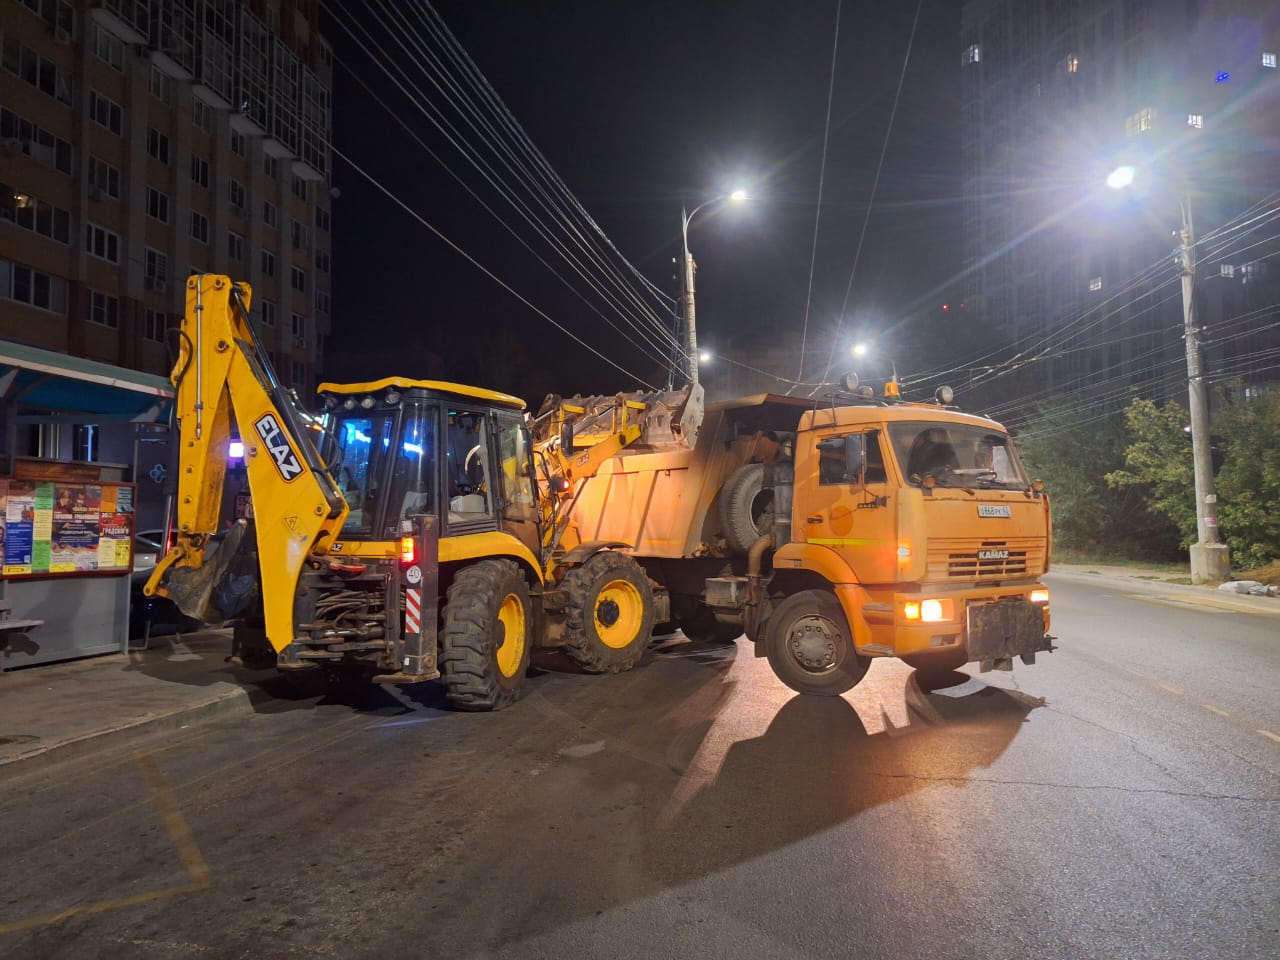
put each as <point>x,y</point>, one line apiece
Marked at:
<point>738,196</point>
<point>1120,177</point>
<point>704,356</point>
<point>858,349</point>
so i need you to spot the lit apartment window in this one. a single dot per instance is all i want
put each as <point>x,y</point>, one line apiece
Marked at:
<point>236,194</point>
<point>972,54</point>
<point>1226,270</point>
<point>157,145</point>
<point>1269,60</point>
<point>238,145</point>
<point>269,216</point>
<point>154,324</point>
<point>1195,120</point>
<point>156,269</point>
<point>1071,64</point>
<point>299,324</point>
<point>102,243</point>
<point>105,112</point>
<point>298,279</point>
<point>24,210</point>
<point>1140,122</point>
<point>200,171</point>
<point>108,48</point>
<point>157,205</point>
<point>235,247</point>
<point>1095,284</point>
<point>159,84</point>
<point>199,227</point>
<point>104,178</point>
<point>268,263</point>
<point>35,288</point>
<point>104,309</point>
<point>268,308</point>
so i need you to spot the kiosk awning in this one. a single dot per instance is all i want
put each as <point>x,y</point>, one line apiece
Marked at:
<point>74,389</point>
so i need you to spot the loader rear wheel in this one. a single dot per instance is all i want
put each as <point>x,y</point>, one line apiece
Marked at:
<point>609,614</point>
<point>484,641</point>
<point>809,646</point>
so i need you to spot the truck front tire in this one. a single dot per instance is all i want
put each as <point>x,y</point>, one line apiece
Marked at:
<point>809,645</point>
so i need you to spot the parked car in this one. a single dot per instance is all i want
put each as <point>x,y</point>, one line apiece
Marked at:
<point>148,615</point>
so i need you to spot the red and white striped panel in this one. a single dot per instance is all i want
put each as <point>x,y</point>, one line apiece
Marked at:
<point>412,611</point>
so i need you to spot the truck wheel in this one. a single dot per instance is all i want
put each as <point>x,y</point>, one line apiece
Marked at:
<point>809,645</point>
<point>485,642</point>
<point>609,614</point>
<point>746,507</point>
<point>699,623</point>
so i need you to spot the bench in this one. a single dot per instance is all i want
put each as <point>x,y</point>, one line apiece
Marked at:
<point>8,625</point>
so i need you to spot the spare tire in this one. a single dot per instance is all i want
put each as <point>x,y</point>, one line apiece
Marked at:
<point>746,505</point>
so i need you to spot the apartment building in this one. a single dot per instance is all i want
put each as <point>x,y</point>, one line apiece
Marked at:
<point>144,140</point>
<point>1075,284</point>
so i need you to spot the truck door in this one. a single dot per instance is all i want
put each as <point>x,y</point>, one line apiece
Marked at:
<point>844,501</point>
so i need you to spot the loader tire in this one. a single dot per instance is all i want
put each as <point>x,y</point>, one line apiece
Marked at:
<point>609,614</point>
<point>746,506</point>
<point>485,638</point>
<point>809,645</point>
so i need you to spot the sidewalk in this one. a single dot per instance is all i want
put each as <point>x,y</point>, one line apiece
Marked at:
<point>62,710</point>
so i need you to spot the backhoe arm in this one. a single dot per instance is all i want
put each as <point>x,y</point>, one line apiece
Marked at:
<point>223,372</point>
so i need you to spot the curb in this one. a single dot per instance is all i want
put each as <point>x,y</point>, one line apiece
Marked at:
<point>230,701</point>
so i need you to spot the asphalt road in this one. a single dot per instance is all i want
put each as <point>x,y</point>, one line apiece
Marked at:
<point>1116,800</point>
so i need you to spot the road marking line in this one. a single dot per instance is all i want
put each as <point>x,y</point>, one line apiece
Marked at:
<point>1165,686</point>
<point>1182,601</point>
<point>1212,709</point>
<point>183,840</point>
<point>1270,735</point>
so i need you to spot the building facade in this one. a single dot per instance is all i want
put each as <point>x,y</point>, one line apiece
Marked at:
<point>1077,286</point>
<point>145,140</point>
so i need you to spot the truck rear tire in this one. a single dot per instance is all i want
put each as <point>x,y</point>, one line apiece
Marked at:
<point>609,615</point>
<point>809,646</point>
<point>698,621</point>
<point>746,506</point>
<point>485,642</point>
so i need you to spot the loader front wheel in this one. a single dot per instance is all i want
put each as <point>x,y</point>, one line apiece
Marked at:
<point>809,645</point>
<point>609,614</point>
<point>485,641</point>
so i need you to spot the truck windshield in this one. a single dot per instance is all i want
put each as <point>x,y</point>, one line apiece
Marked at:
<point>957,455</point>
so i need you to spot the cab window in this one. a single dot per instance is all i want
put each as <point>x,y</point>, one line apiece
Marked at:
<point>467,467</point>
<point>517,470</point>
<point>364,444</point>
<point>851,459</point>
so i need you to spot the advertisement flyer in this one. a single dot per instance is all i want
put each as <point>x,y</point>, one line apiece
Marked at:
<point>19,516</point>
<point>65,526</point>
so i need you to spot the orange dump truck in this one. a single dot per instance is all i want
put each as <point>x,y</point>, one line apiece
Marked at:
<point>830,532</point>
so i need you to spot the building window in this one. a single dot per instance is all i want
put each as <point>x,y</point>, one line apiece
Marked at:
<point>268,312</point>
<point>299,236</point>
<point>300,188</point>
<point>235,247</point>
<point>298,279</point>
<point>108,48</point>
<point>157,145</point>
<point>1071,63</point>
<point>41,73</point>
<point>199,227</point>
<point>156,269</point>
<point>299,324</point>
<point>105,112</point>
<point>104,310</point>
<point>972,54</point>
<point>268,263</point>
<point>322,262</point>
<point>1226,270</point>
<point>104,178</point>
<point>322,219</point>
<point>1269,60</point>
<point>37,143</point>
<point>269,216</point>
<point>202,115</point>
<point>271,166</point>
<point>1195,120</point>
<point>154,325</point>
<point>322,302</point>
<point>1141,122</point>
<point>299,371</point>
<point>200,171</point>
<point>157,205</point>
<point>102,243</point>
<point>1095,284</point>
<point>235,191</point>
<point>238,145</point>
<point>24,210</point>
<point>159,85</point>
<point>35,288</point>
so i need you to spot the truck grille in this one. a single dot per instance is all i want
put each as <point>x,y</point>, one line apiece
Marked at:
<point>987,560</point>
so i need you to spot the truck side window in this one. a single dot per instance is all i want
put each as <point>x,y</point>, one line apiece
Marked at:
<point>833,459</point>
<point>467,467</point>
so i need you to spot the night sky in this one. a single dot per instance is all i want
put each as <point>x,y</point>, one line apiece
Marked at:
<point>639,106</point>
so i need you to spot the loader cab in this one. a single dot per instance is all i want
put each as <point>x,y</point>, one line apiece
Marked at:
<point>399,448</point>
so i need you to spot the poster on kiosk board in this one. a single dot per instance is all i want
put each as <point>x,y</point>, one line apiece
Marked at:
<point>58,527</point>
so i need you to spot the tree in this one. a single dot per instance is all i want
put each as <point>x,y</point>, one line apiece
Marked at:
<point>1249,484</point>
<point>1159,458</point>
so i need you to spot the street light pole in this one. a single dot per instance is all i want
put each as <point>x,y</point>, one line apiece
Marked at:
<point>1210,558</point>
<point>690,329</point>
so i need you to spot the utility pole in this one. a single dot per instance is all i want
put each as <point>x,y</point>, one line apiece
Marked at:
<point>1210,558</point>
<point>687,271</point>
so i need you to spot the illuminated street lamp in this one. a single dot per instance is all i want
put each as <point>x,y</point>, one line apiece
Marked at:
<point>690,331</point>
<point>858,350</point>
<point>1210,558</point>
